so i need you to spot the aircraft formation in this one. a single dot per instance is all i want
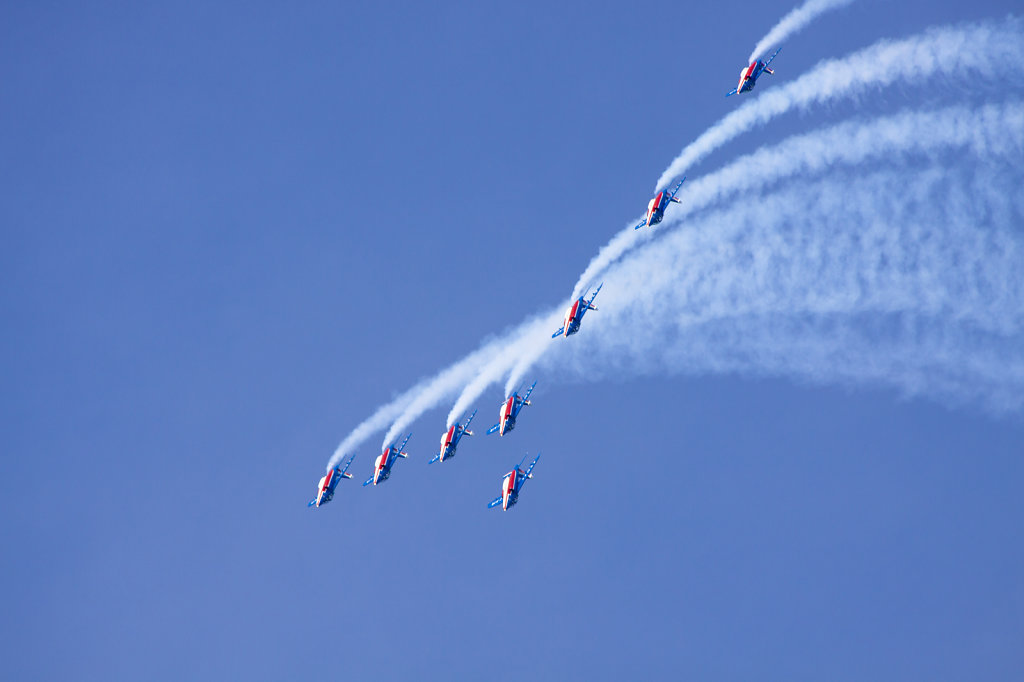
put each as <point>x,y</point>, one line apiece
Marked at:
<point>512,483</point>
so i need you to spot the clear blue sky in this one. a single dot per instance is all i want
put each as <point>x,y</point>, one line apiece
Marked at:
<point>232,231</point>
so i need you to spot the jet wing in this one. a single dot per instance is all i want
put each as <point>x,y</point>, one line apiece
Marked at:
<point>644,221</point>
<point>465,426</point>
<point>731,93</point>
<point>772,57</point>
<point>561,330</point>
<point>528,392</point>
<point>590,303</point>
<point>493,428</point>
<point>494,503</point>
<point>675,190</point>
<point>435,458</point>
<point>368,481</point>
<point>405,442</point>
<point>347,465</point>
<point>532,464</point>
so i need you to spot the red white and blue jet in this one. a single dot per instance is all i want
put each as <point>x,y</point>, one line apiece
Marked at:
<point>325,488</point>
<point>656,207</point>
<point>382,465</point>
<point>512,483</point>
<point>749,75</point>
<point>509,411</point>
<point>450,439</point>
<point>574,315</point>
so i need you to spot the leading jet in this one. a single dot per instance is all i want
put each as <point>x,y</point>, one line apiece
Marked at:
<point>325,488</point>
<point>749,75</point>
<point>509,411</point>
<point>382,465</point>
<point>574,315</point>
<point>656,207</point>
<point>450,439</point>
<point>512,483</point>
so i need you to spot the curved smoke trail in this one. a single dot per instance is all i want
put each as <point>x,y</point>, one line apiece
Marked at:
<point>988,130</point>
<point>912,279</point>
<point>991,130</point>
<point>793,22</point>
<point>966,53</point>
<point>979,50</point>
<point>997,44</point>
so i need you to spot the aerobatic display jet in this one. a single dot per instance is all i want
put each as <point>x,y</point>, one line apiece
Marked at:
<point>382,465</point>
<point>749,75</point>
<point>574,315</point>
<point>512,483</point>
<point>450,439</point>
<point>325,488</point>
<point>509,411</point>
<point>656,208</point>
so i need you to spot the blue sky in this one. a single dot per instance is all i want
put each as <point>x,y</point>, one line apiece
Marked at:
<point>232,232</point>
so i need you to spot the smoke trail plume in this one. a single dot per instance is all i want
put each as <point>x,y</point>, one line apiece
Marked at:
<point>793,22</point>
<point>503,362</point>
<point>913,58</point>
<point>442,386</point>
<point>995,130</point>
<point>911,279</point>
<point>980,50</point>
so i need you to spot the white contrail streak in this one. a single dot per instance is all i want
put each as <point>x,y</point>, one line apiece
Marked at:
<point>793,22</point>
<point>994,130</point>
<point>881,64</point>
<point>981,50</point>
<point>511,351</point>
<point>442,386</point>
<point>376,421</point>
<point>913,280</point>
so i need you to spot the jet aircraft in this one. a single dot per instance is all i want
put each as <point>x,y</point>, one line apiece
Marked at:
<point>325,488</point>
<point>512,483</point>
<point>382,465</point>
<point>509,411</point>
<point>450,439</point>
<point>750,74</point>
<point>656,207</point>
<point>574,315</point>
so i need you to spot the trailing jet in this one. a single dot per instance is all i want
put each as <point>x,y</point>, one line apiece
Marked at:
<point>656,207</point>
<point>749,75</point>
<point>509,411</point>
<point>450,439</point>
<point>382,465</point>
<point>325,488</point>
<point>574,315</point>
<point>512,484</point>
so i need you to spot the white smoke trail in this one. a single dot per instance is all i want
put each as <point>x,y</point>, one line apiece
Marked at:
<point>503,362</point>
<point>913,280</point>
<point>793,22</point>
<point>994,130</point>
<point>376,421</point>
<point>991,130</point>
<point>979,50</point>
<point>951,52</point>
<point>442,386</point>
